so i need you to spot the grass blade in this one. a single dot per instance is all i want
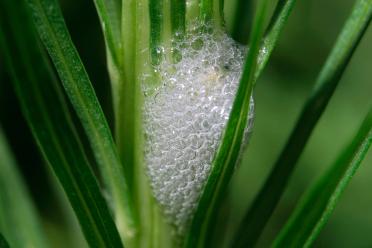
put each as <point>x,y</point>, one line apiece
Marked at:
<point>211,12</point>
<point>206,10</point>
<point>109,12</point>
<point>45,110</point>
<point>242,20</point>
<point>227,154</point>
<point>192,11</point>
<point>268,197</point>
<point>279,19</point>
<point>178,18</point>
<point>156,28</point>
<point>316,207</point>
<point>276,25</point>
<point>54,34</point>
<point>146,36</point>
<point>19,220</point>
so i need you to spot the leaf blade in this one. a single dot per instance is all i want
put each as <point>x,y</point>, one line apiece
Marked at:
<point>156,29</point>
<point>16,208</point>
<point>45,110</point>
<point>316,207</point>
<point>53,32</point>
<point>264,204</point>
<point>109,12</point>
<point>242,20</point>
<point>227,154</point>
<point>277,23</point>
<point>3,242</point>
<point>178,18</point>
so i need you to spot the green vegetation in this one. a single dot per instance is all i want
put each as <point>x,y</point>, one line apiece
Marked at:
<point>96,144</point>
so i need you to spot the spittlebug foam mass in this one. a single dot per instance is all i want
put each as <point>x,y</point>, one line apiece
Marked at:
<point>184,119</point>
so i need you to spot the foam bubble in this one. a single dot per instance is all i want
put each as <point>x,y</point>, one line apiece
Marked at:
<point>184,119</point>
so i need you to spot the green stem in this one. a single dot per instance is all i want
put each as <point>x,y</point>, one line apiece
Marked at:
<point>141,42</point>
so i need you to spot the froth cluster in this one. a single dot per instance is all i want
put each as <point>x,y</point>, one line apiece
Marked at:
<point>184,119</point>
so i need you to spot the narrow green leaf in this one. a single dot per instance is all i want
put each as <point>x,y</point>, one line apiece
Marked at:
<point>156,28</point>
<point>46,113</point>
<point>3,242</point>
<point>192,11</point>
<point>316,207</point>
<point>221,7</point>
<point>268,197</point>
<point>211,11</point>
<point>178,18</point>
<point>227,154</point>
<point>242,18</point>
<point>277,23</point>
<point>279,19</point>
<point>18,217</point>
<point>206,10</point>
<point>109,12</point>
<point>128,114</point>
<point>54,34</point>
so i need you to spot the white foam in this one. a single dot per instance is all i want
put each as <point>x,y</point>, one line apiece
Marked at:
<point>184,119</point>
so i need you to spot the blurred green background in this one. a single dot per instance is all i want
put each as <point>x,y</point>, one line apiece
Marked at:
<point>279,96</point>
